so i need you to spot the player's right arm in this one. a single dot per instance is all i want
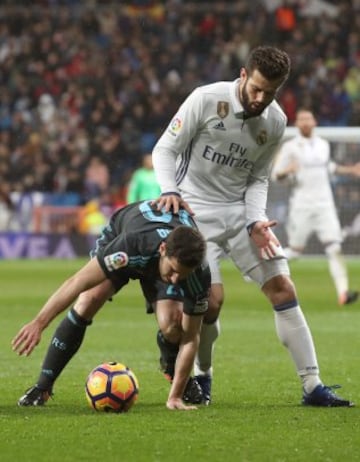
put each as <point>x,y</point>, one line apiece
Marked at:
<point>195,305</point>
<point>175,140</point>
<point>285,164</point>
<point>29,335</point>
<point>173,202</point>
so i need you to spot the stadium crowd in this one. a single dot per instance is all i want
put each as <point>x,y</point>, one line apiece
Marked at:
<point>87,87</point>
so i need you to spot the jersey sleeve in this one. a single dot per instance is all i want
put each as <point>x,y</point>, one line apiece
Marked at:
<point>116,255</point>
<point>175,139</point>
<point>197,289</point>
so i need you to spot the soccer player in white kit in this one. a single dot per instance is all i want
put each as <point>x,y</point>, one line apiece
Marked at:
<point>304,161</point>
<point>215,159</point>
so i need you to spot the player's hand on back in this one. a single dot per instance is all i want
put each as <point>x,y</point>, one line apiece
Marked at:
<point>172,202</point>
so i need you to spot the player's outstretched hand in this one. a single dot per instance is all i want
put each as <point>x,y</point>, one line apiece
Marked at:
<point>172,202</point>
<point>178,404</point>
<point>27,338</point>
<point>265,239</point>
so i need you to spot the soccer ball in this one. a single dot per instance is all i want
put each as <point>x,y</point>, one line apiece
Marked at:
<point>111,387</point>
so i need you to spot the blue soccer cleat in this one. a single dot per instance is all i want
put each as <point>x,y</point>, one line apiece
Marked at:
<point>193,393</point>
<point>323,395</point>
<point>205,383</point>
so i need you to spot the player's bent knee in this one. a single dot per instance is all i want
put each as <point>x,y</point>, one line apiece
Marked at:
<point>172,332</point>
<point>279,289</point>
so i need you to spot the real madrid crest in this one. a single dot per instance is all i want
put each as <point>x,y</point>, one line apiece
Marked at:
<point>261,138</point>
<point>222,109</point>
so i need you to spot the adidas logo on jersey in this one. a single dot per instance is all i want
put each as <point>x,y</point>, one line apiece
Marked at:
<point>220,126</point>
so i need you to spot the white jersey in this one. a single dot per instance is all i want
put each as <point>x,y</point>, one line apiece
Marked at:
<point>311,186</point>
<point>211,154</point>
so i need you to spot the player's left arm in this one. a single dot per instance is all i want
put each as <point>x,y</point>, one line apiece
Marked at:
<point>189,344</point>
<point>258,225</point>
<point>258,184</point>
<point>265,240</point>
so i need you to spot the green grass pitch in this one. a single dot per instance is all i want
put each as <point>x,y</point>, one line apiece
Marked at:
<point>256,413</point>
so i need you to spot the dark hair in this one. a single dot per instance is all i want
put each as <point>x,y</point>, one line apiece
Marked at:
<point>187,245</point>
<point>271,62</point>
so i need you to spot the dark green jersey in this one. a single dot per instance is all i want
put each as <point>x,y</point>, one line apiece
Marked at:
<point>128,248</point>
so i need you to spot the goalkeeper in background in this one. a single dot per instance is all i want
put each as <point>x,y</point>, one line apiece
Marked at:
<point>143,183</point>
<point>304,161</point>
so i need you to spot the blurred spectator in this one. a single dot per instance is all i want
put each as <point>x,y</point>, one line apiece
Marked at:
<point>352,82</point>
<point>6,207</point>
<point>285,20</point>
<point>97,178</point>
<point>92,219</point>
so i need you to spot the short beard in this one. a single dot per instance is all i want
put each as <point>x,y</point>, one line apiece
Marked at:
<point>244,99</point>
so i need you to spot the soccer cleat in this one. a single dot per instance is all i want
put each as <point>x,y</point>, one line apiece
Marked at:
<point>168,372</point>
<point>205,383</point>
<point>323,395</point>
<point>193,393</point>
<point>35,397</point>
<point>348,297</point>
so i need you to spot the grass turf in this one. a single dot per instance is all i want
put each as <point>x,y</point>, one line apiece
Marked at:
<point>256,413</point>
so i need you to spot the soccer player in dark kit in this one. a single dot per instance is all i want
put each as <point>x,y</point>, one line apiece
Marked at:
<point>166,253</point>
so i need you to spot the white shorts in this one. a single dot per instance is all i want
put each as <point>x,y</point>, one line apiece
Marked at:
<point>224,228</point>
<point>323,221</point>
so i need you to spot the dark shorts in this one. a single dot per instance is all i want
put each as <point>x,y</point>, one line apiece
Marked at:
<point>158,290</point>
<point>155,290</point>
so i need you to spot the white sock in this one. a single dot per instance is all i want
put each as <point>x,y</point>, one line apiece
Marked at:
<point>203,359</point>
<point>337,268</point>
<point>294,333</point>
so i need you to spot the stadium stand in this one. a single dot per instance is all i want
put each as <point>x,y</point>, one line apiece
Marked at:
<point>102,81</point>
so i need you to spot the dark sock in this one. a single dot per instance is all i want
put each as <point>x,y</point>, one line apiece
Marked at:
<point>64,344</point>
<point>169,353</point>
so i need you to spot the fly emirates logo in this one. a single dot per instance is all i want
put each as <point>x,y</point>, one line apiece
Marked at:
<point>235,158</point>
